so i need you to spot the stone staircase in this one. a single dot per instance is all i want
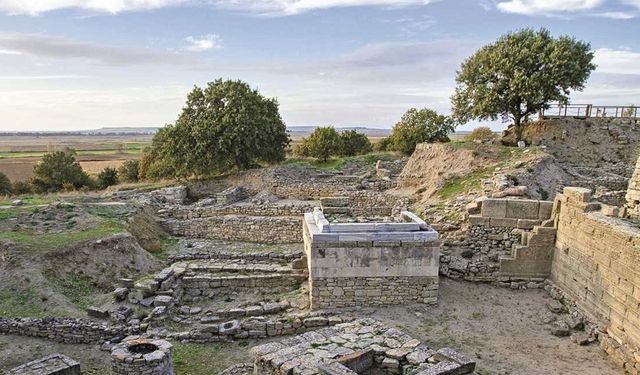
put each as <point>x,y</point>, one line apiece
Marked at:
<point>532,258</point>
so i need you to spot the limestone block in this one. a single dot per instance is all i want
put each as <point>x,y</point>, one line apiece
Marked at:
<point>577,194</point>
<point>545,210</point>
<point>528,223</point>
<point>504,222</point>
<point>523,209</point>
<point>335,201</point>
<point>494,208</point>
<point>479,220</point>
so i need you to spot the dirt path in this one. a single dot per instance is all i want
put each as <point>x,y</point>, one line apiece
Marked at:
<point>501,328</point>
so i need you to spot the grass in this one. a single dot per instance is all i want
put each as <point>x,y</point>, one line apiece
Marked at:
<point>457,185</point>
<point>30,200</point>
<point>206,359</point>
<point>338,163</point>
<point>20,303</point>
<point>49,241</point>
<point>77,288</point>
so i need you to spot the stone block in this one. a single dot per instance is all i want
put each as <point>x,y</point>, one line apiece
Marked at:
<point>479,220</point>
<point>335,201</point>
<point>504,222</point>
<point>528,223</point>
<point>494,208</point>
<point>577,194</point>
<point>97,312</point>
<point>523,209</point>
<point>545,210</point>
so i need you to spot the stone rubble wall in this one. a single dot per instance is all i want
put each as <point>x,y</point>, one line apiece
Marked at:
<point>205,286</point>
<point>596,264</point>
<point>55,364</point>
<point>263,229</point>
<point>189,212</point>
<point>64,330</point>
<point>271,257</point>
<point>633,192</point>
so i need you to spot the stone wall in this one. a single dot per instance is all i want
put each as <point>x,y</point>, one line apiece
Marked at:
<point>263,229</point>
<point>206,286</point>
<point>633,192</point>
<point>55,364</point>
<point>358,265</point>
<point>63,330</point>
<point>596,264</point>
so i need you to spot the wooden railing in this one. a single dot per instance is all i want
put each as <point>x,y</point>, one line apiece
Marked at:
<point>590,110</point>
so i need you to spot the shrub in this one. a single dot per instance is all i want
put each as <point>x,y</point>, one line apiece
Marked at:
<point>5,185</point>
<point>129,171</point>
<point>22,187</point>
<point>383,144</point>
<point>354,143</point>
<point>323,142</point>
<point>107,177</point>
<point>57,168</point>
<point>482,134</point>
<point>417,126</point>
<point>467,254</point>
<point>301,149</point>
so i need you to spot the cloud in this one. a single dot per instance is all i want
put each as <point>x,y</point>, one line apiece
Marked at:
<point>46,46</point>
<point>267,7</point>
<point>43,77</point>
<point>35,7</point>
<point>635,3</point>
<point>547,7</point>
<point>203,43</point>
<point>613,61</point>
<point>619,15</point>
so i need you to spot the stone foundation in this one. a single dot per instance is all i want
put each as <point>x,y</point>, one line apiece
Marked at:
<point>139,356</point>
<point>371,264</point>
<point>56,364</point>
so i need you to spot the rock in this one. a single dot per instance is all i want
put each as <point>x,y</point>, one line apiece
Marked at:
<point>97,312</point>
<point>560,330</point>
<point>574,323</point>
<point>120,294</point>
<point>229,328</point>
<point>555,306</point>
<point>581,338</point>
<point>17,202</point>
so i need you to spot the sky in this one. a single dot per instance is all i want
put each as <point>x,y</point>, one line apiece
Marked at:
<point>86,64</point>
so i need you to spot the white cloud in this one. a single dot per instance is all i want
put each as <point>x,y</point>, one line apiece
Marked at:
<point>9,52</point>
<point>47,46</point>
<point>203,43</point>
<point>547,7</point>
<point>635,3</point>
<point>34,7</point>
<point>620,15</point>
<point>617,61</point>
<point>273,7</point>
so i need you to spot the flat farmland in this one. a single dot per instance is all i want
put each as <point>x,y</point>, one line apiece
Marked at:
<point>19,153</point>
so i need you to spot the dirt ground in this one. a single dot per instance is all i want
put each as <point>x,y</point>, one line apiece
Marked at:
<point>501,328</point>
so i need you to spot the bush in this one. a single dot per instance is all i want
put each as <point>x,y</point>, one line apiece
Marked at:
<point>323,142</point>
<point>417,126</point>
<point>107,177</point>
<point>22,187</point>
<point>129,171</point>
<point>482,134</point>
<point>383,144</point>
<point>301,149</point>
<point>5,185</point>
<point>57,168</point>
<point>223,126</point>
<point>354,143</point>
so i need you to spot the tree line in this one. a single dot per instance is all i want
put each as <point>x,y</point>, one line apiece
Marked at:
<point>228,126</point>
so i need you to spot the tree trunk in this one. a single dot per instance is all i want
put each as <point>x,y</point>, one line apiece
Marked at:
<point>518,127</point>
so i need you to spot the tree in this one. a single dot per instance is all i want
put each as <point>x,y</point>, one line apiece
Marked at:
<point>223,126</point>
<point>519,74</point>
<point>354,143</point>
<point>383,144</point>
<point>56,169</point>
<point>107,177</point>
<point>5,184</point>
<point>129,170</point>
<point>482,134</point>
<point>323,142</point>
<point>417,126</point>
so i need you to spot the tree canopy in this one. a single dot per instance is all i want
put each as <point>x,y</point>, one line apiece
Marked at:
<point>5,184</point>
<point>417,126</point>
<point>59,169</point>
<point>519,74</point>
<point>322,143</point>
<point>222,126</point>
<point>354,143</point>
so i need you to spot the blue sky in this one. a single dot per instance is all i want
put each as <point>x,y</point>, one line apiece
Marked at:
<point>81,64</point>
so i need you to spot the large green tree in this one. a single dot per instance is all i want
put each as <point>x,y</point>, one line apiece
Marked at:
<point>354,143</point>
<point>518,75</point>
<point>417,126</point>
<point>322,143</point>
<point>222,126</point>
<point>57,169</point>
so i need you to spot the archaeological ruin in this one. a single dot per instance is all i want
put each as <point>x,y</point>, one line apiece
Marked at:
<point>308,269</point>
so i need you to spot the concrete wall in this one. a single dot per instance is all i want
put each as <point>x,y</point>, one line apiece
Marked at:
<point>596,263</point>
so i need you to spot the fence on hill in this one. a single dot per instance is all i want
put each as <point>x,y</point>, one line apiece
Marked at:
<point>583,111</point>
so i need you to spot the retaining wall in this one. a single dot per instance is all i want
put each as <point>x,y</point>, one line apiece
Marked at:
<point>64,330</point>
<point>596,263</point>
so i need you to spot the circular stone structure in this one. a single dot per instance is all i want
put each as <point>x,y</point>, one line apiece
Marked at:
<point>138,356</point>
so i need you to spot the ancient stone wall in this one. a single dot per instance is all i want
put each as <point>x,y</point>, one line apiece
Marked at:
<point>633,192</point>
<point>264,229</point>
<point>596,264</point>
<point>63,330</point>
<point>55,364</point>
<point>357,265</point>
<point>189,212</point>
<point>206,286</point>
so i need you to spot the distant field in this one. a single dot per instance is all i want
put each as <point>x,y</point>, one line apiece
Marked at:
<point>18,154</point>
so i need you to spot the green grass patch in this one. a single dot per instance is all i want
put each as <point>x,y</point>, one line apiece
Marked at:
<point>49,241</point>
<point>77,288</point>
<point>337,163</point>
<point>206,359</point>
<point>457,185</point>
<point>30,200</point>
<point>20,303</point>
